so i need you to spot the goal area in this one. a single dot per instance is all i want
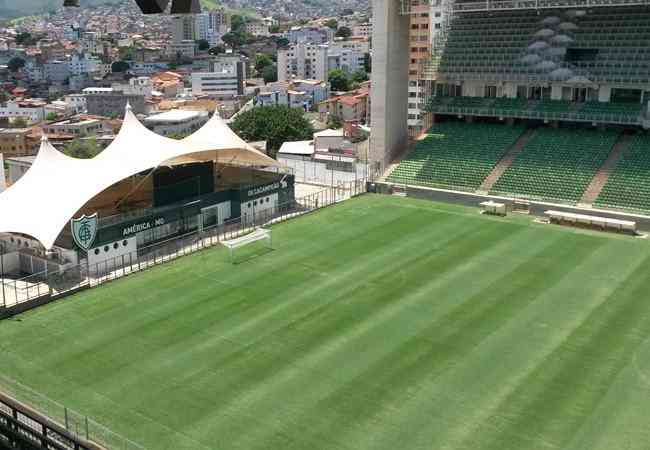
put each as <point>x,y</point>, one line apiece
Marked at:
<point>258,234</point>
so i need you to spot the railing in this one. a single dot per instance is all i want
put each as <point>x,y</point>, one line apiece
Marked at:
<point>27,292</point>
<point>43,421</point>
<point>623,119</point>
<point>505,5</point>
<point>446,74</point>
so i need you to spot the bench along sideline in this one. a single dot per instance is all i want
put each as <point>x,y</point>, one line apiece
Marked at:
<point>256,235</point>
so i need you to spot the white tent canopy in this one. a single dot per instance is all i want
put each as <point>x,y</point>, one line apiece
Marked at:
<point>46,198</point>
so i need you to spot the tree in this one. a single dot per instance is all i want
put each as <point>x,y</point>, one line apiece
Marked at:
<point>24,38</point>
<point>217,50</point>
<point>273,124</point>
<point>339,80</point>
<point>359,76</point>
<point>343,32</point>
<point>282,42</point>
<point>237,23</point>
<point>270,74</point>
<point>237,38</point>
<point>82,148</point>
<point>120,66</point>
<point>262,60</point>
<point>334,122</point>
<point>203,45</point>
<point>332,23</point>
<point>15,64</point>
<point>51,116</point>
<point>274,29</point>
<point>177,136</point>
<point>367,62</point>
<point>19,122</point>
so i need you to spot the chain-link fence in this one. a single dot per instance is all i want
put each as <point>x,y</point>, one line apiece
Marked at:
<point>48,284</point>
<point>79,426</point>
<point>330,173</point>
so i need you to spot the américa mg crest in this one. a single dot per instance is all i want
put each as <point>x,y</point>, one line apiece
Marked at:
<point>84,230</point>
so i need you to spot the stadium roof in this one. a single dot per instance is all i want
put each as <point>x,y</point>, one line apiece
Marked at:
<point>56,187</point>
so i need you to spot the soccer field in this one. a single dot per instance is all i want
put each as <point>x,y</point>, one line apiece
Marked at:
<point>379,323</point>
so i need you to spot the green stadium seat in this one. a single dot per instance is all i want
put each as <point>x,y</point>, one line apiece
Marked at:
<point>456,155</point>
<point>628,186</point>
<point>557,164</point>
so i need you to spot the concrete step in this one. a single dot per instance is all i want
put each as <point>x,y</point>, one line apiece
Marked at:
<point>602,175</point>
<point>505,161</point>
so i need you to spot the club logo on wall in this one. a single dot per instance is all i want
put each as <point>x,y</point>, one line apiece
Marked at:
<point>84,230</point>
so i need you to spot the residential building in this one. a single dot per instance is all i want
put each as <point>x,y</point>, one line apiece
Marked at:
<point>109,102</point>
<point>363,30</point>
<point>211,25</point>
<point>424,25</point>
<point>147,68</point>
<point>296,94</point>
<point>35,71</point>
<point>183,28</point>
<point>182,49</point>
<point>169,84</point>
<point>347,55</point>
<point>82,125</point>
<point>135,86</point>
<point>77,102</point>
<point>353,106</point>
<point>257,28</point>
<point>176,122</point>
<point>303,61</point>
<point>312,35</point>
<point>16,142</point>
<point>57,71</point>
<point>72,32</point>
<point>80,63</point>
<point>32,110</point>
<point>224,80</point>
<point>17,167</point>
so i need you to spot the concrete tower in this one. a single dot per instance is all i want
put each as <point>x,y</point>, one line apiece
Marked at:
<point>389,94</point>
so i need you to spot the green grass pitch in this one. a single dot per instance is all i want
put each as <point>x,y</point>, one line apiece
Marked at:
<point>380,323</point>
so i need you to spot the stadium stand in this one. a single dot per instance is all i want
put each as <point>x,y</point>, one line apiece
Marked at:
<point>553,106</point>
<point>456,155</point>
<point>605,45</point>
<point>557,164</point>
<point>628,186</point>
<point>591,111</point>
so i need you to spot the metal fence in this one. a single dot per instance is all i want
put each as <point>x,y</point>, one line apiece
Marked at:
<point>48,284</point>
<point>62,427</point>
<point>330,173</point>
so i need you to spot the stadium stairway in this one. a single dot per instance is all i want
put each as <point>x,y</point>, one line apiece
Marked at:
<point>600,179</point>
<point>557,164</point>
<point>505,162</point>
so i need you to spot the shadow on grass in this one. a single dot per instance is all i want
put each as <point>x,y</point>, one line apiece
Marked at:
<point>247,255</point>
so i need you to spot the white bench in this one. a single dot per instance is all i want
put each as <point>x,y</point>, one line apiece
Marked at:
<point>256,235</point>
<point>603,223</point>
<point>491,207</point>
